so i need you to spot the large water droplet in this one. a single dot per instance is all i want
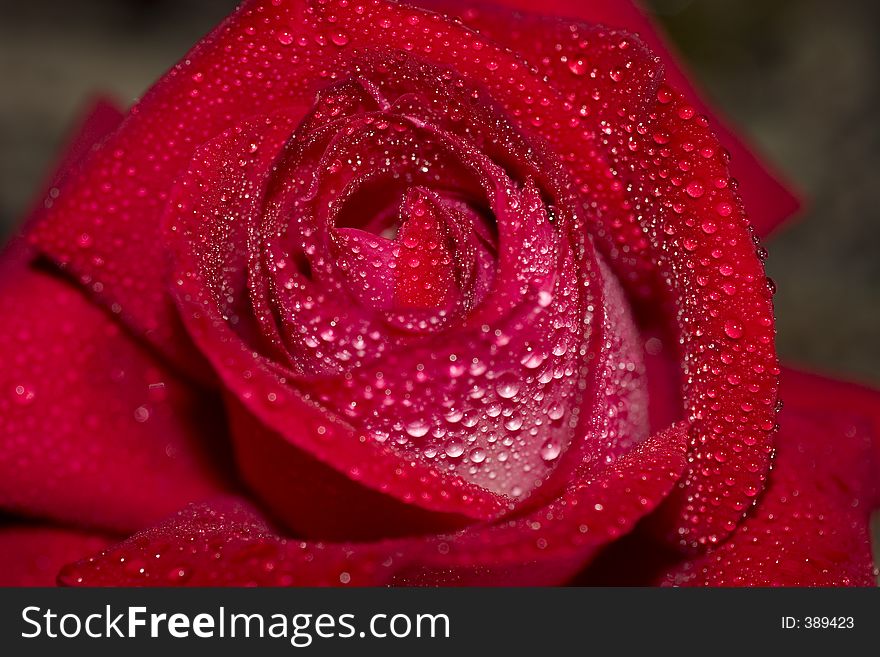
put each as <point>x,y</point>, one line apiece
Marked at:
<point>507,386</point>
<point>733,329</point>
<point>694,189</point>
<point>417,428</point>
<point>550,450</point>
<point>454,450</point>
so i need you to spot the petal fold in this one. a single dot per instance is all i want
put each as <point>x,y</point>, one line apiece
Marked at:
<point>228,542</point>
<point>94,430</point>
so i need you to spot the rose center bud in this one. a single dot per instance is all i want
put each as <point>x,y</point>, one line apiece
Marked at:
<point>424,275</point>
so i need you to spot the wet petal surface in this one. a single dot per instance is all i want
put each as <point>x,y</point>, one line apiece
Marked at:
<point>229,543</point>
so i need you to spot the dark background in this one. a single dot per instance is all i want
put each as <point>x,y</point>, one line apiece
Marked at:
<point>799,77</point>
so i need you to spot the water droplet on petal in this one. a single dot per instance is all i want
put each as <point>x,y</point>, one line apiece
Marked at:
<point>733,329</point>
<point>577,66</point>
<point>507,386</point>
<point>694,189</point>
<point>550,450</point>
<point>417,428</point>
<point>454,450</point>
<point>339,38</point>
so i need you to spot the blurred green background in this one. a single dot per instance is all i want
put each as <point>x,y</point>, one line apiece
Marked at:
<point>798,77</point>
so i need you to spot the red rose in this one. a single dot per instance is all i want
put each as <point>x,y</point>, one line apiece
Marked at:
<point>459,296</point>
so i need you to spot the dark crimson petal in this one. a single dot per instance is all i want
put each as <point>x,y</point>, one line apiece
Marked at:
<point>724,317</point>
<point>767,197</point>
<point>104,228</point>
<point>314,499</point>
<point>804,390</point>
<point>663,374</point>
<point>93,430</point>
<point>32,555</point>
<point>811,527</point>
<point>228,543</point>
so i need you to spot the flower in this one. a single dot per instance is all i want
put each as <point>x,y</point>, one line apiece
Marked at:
<point>366,293</point>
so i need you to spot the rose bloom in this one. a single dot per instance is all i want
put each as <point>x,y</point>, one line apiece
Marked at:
<point>364,293</point>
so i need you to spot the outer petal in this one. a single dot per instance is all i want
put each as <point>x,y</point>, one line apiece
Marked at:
<point>767,198</point>
<point>93,430</point>
<point>228,543</point>
<point>31,555</point>
<point>810,528</point>
<point>811,391</point>
<point>104,227</point>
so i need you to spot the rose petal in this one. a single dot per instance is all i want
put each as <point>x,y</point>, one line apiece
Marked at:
<point>180,112</point>
<point>804,390</point>
<point>766,194</point>
<point>93,429</point>
<point>811,526</point>
<point>32,555</point>
<point>228,543</point>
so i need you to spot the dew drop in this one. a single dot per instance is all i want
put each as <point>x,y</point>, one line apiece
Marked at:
<point>694,189</point>
<point>454,450</point>
<point>513,423</point>
<point>23,394</point>
<point>733,329</point>
<point>709,227</point>
<point>507,386</point>
<point>550,451</point>
<point>339,38</point>
<point>417,428</point>
<point>477,455</point>
<point>724,209</point>
<point>577,66</point>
